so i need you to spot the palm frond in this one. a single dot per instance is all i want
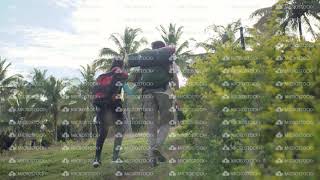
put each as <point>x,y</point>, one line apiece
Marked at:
<point>262,21</point>
<point>182,46</point>
<point>206,46</point>
<point>163,29</point>
<point>113,37</point>
<point>103,63</point>
<point>3,69</point>
<point>261,12</point>
<point>310,29</point>
<point>108,52</point>
<point>9,80</point>
<point>315,15</point>
<point>179,32</point>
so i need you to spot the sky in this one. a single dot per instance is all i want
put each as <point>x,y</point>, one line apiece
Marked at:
<point>61,35</point>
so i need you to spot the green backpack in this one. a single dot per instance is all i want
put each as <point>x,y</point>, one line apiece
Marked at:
<point>154,77</point>
<point>151,58</point>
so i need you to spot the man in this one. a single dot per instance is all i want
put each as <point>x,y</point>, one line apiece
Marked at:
<point>109,108</point>
<point>156,100</point>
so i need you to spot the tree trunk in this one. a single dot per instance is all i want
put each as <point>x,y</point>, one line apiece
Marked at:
<point>300,29</point>
<point>243,46</point>
<point>55,119</point>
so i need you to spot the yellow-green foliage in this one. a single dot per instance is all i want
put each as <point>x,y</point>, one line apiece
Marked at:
<point>270,60</point>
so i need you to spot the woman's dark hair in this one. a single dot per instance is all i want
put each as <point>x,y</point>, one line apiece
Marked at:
<point>157,44</point>
<point>117,62</point>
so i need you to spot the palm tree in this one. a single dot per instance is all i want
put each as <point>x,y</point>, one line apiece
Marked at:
<point>88,79</point>
<point>222,35</point>
<point>48,90</point>
<point>38,82</point>
<point>53,91</point>
<point>8,86</point>
<point>6,82</point>
<point>126,43</point>
<point>291,13</point>
<point>172,36</point>
<point>20,100</point>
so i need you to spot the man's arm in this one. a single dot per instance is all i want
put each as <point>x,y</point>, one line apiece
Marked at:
<point>123,75</point>
<point>175,78</point>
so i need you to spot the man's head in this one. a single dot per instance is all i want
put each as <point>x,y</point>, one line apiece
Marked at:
<point>157,44</point>
<point>117,62</point>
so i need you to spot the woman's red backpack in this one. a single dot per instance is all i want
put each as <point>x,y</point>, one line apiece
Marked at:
<point>107,86</point>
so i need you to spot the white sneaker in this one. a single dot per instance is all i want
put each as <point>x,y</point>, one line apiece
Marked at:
<point>96,163</point>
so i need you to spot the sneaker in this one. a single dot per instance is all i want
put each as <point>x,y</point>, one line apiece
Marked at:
<point>159,156</point>
<point>96,163</point>
<point>117,161</point>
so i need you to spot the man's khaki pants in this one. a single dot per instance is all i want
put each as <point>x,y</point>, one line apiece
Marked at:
<point>157,114</point>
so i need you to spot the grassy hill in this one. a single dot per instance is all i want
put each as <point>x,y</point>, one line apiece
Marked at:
<point>72,160</point>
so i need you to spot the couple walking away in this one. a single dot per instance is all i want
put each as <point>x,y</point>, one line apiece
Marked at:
<point>156,79</point>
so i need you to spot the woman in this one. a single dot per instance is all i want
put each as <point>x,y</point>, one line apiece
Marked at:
<point>109,111</point>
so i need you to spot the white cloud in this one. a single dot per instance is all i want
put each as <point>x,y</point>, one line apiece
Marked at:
<point>53,48</point>
<point>94,20</point>
<point>65,3</point>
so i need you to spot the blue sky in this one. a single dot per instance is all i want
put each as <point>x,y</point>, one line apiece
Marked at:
<point>18,16</point>
<point>61,35</point>
<point>35,13</point>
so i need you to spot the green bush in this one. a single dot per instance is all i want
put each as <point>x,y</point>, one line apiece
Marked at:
<point>249,92</point>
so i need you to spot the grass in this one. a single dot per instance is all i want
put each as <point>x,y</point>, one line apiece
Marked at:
<point>78,162</point>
